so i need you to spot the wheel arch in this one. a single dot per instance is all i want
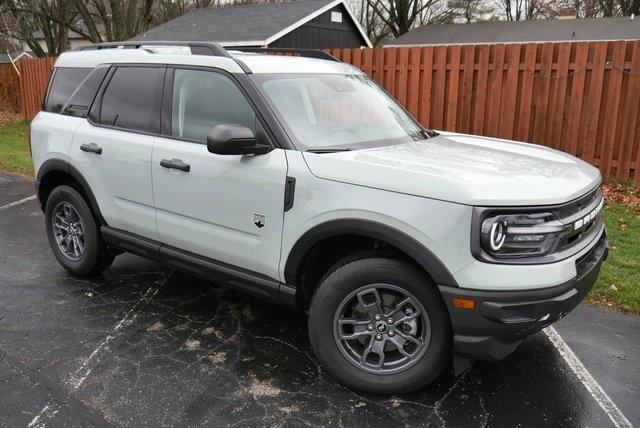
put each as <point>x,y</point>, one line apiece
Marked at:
<point>416,251</point>
<point>54,172</point>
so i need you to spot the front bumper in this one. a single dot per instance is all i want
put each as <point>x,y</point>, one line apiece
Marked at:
<point>501,320</point>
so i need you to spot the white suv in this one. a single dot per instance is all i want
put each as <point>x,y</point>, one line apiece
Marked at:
<point>299,180</point>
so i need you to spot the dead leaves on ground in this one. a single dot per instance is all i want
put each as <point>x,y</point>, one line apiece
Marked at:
<point>626,194</point>
<point>9,117</point>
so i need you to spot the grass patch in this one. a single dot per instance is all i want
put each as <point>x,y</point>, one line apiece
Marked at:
<point>619,282</point>
<point>14,148</point>
<point>618,285</point>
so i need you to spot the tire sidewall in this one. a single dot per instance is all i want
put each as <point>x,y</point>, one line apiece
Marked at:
<point>343,281</point>
<point>86,264</point>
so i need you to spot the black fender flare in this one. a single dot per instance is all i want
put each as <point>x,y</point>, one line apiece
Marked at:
<point>59,165</point>
<point>371,229</point>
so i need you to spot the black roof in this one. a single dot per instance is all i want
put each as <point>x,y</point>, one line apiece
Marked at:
<point>245,23</point>
<point>617,28</point>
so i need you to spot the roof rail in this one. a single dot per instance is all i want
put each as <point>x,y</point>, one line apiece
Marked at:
<point>197,48</point>
<point>307,53</point>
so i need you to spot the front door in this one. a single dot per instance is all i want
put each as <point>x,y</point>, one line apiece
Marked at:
<point>228,208</point>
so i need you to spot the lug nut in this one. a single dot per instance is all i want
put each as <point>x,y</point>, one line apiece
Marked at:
<point>377,317</point>
<point>392,333</point>
<point>378,337</point>
<point>390,321</point>
<point>370,327</point>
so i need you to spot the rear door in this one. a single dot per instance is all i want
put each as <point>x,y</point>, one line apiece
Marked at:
<point>228,208</point>
<point>112,149</point>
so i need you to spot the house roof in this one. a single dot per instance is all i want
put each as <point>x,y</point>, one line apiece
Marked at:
<point>243,25</point>
<point>581,29</point>
<point>4,58</point>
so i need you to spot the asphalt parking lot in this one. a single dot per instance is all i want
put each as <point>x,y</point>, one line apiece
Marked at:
<point>146,345</point>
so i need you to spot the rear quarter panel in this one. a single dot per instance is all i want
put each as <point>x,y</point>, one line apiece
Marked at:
<point>51,137</point>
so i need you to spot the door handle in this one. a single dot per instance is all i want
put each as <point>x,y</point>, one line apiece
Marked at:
<point>92,147</point>
<point>175,164</point>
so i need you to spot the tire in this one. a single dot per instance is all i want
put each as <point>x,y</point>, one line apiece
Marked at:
<point>395,281</point>
<point>94,256</point>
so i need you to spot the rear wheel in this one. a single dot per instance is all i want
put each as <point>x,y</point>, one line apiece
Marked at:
<point>379,325</point>
<point>73,233</point>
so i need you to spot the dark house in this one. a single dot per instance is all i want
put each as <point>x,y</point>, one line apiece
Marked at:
<point>558,30</point>
<point>311,24</point>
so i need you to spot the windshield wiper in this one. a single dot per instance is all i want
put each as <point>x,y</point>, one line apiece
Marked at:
<point>340,149</point>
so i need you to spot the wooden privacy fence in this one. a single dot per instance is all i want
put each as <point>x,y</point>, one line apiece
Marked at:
<point>34,76</point>
<point>581,97</point>
<point>9,88</point>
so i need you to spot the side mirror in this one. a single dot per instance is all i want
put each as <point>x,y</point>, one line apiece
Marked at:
<point>235,140</point>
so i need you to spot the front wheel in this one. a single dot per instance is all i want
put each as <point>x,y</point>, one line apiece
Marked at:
<point>379,325</point>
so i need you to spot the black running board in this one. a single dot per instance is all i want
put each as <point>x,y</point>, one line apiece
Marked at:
<point>241,279</point>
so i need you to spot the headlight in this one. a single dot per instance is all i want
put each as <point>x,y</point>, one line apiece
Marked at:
<point>520,235</point>
<point>536,234</point>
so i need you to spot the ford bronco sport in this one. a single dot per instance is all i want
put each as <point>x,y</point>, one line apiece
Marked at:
<point>298,179</point>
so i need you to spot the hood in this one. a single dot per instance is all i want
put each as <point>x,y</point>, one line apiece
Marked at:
<point>464,169</point>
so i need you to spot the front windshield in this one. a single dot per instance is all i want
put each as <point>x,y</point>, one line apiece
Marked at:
<point>337,111</point>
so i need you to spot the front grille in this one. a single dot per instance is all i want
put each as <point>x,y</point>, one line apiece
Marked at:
<point>569,214</point>
<point>572,208</point>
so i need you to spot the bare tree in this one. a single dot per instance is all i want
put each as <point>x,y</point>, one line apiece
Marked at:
<point>46,20</point>
<point>629,7</point>
<point>166,10</point>
<point>471,10</point>
<point>520,10</point>
<point>402,15</point>
<point>112,20</point>
<point>603,8</point>
<point>377,31</point>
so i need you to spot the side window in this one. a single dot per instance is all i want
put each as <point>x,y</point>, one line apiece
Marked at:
<point>204,99</point>
<point>65,81</point>
<point>131,99</point>
<point>82,98</point>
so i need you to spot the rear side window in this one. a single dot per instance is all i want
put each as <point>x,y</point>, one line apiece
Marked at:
<point>131,99</point>
<point>65,81</point>
<point>83,96</point>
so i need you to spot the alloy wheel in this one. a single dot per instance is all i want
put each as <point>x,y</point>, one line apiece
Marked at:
<point>382,328</point>
<point>68,231</point>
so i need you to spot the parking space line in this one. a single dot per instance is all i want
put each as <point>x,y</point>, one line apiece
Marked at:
<point>21,201</point>
<point>594,388</point>
<point>36,422</point>
<point>81,374</point>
